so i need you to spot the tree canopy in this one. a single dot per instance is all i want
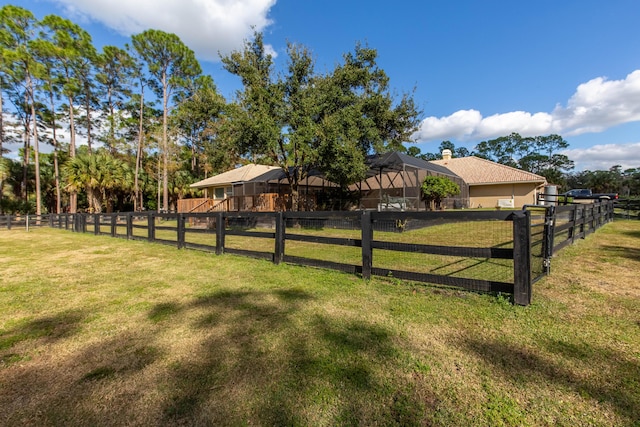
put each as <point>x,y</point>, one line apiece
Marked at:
<point>301,120</point>
<point>436,188</point>
<point>537,154</point>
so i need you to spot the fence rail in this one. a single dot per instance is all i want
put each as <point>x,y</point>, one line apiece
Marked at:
<point>486,251</point>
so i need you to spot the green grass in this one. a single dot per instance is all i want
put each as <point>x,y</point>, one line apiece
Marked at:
<point>102,331</point>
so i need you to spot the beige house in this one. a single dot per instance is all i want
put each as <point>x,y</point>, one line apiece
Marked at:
<point>253,188</point>
<point>220,186</point>
<point>492,184</point>
<point>223,192</point>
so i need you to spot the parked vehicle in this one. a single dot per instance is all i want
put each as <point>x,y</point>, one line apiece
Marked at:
<point>585,193</point>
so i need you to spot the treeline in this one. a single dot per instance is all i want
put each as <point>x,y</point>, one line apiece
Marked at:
<point>541,155</point>
<point>132,127</point>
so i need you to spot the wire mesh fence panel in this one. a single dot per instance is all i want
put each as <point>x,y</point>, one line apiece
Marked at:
<point>139,226</point>
<point>120,226</point>
<point>251,234</point>
<point>324,239</point>
<point>89,224</point>
<point>470,267</point>
<point>337,256</point>
<point>445,244</point>
<point>105,224</point>
<point>200,231</point>
<point>443,231</point>
<point>166,228</point>
<point>538,217</point>
<point>627,209</point>
<point>325,224</point>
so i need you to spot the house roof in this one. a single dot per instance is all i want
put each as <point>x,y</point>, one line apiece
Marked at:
<point>241,174</point>
<point>396,160</point>
<point>476,171</point>
<point>313,177</point>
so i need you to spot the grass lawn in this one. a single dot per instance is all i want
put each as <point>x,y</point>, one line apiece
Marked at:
<point>102,331</point>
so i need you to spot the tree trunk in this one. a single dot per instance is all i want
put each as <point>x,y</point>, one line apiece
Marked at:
<point>26,156</point>
<point>36,152</point>
<point>295,199</point>
<point>95,204</point>
<point>136,184</point>
<point>165,147</point>
<point>56,166</point>
<point>159,185</point>
<point>73,196</point>
<point>87,109</point>
<point>25,164</point>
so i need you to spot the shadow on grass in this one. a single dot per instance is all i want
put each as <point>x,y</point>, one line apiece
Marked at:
<point>523,366</point>
<point>48,328</point>
<point>92,386</point>
<point>163,311</point>
<point>623,251</point>
<point>635,234</point>
<point>251,357</point>
<point>263,365</point>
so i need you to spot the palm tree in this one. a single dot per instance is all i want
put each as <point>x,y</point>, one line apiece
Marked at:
<point>81,173</point>
<point>102,176</point>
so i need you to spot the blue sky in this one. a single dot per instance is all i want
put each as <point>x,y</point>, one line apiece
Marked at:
<point>481,69</point>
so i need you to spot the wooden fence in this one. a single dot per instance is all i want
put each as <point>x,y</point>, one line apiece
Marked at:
<point>390,244</point>
<point>627,208</point>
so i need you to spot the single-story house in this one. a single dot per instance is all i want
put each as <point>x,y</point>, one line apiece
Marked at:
<point>392,182</point>
<point>221,186</point>
<point>493,184</point>
<point>252,187</point>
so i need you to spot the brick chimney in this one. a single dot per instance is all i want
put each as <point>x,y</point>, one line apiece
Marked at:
<point>446,154</point>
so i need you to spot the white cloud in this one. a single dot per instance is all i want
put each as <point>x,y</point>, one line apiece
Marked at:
<point>596,105</point>
<point>604,156</point>
<point>459,125</point>
<point>517,121</point>
<point>206,26</point>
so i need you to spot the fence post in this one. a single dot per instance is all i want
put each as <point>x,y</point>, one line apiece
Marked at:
<point>129,225</point>
<point>180,237</point>
<point>114,219</point>
<point>549,230</point>
<point>96,224</point>
<point>522,258</point>
<point>612,213</point>
<point>278,256</point>
<point>220,228</point>
<point>151,227</point>
<point>574,227</point>
<point>367,238</point>
<point>8,222</point>
<point>51,220</point>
